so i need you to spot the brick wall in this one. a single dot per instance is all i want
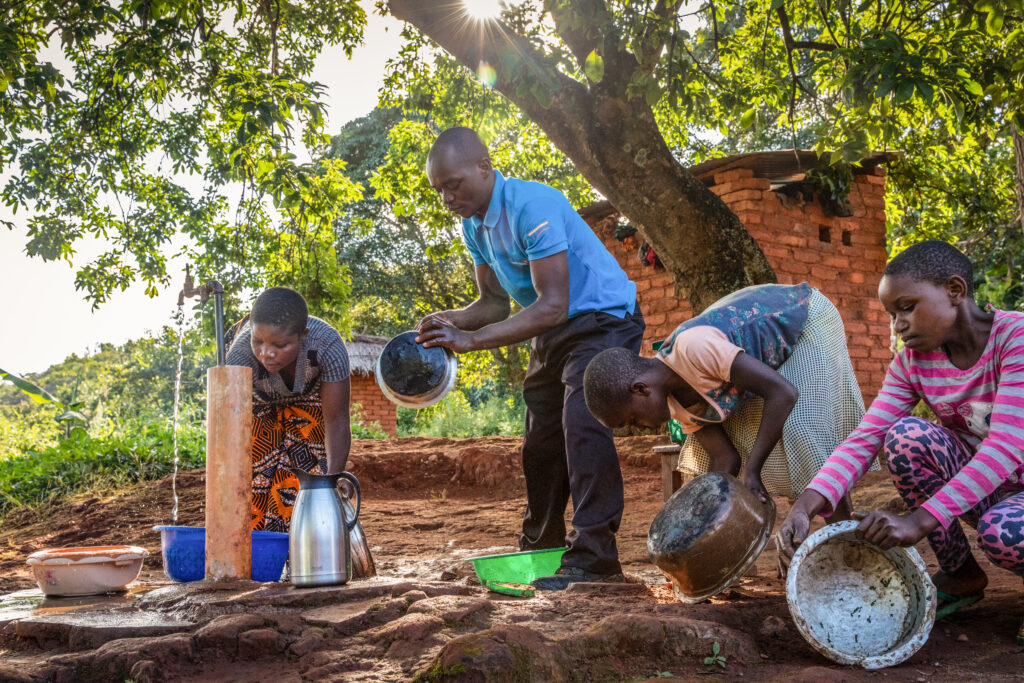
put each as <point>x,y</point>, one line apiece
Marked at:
<point>842,257</point>
<point>376,407</point>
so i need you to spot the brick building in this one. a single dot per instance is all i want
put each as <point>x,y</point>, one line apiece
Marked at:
<point>363,350</point>
<point>802,237</point>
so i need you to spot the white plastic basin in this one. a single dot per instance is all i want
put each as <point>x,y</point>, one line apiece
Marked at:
<point>857,604</point>
<point>88,570</point>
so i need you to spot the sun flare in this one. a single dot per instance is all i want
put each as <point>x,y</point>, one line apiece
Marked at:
<point>483,10</point>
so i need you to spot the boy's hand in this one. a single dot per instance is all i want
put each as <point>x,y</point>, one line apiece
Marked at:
<point>797,525</point>
<point>752,480</point>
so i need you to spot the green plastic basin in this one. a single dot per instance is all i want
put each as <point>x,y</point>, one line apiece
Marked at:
<point>517,567</point>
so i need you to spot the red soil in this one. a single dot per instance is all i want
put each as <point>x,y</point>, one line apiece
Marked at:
<point>429,503</point>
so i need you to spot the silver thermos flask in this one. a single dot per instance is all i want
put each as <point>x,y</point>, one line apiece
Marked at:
<point>319,551</point>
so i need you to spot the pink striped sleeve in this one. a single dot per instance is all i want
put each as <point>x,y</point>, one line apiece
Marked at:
<point>852,458</point>
<point>999,456</point>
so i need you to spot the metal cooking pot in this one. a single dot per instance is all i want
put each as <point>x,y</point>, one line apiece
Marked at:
<point>414,376</point>
<point>708,534</point>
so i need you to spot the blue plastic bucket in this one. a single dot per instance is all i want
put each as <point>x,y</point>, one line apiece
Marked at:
<point>184,552</point>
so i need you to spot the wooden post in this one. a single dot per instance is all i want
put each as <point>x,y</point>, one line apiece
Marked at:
<point>670,480</point>
<point>228,473</point>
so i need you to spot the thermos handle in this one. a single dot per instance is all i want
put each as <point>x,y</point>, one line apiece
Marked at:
<point>359,498</point>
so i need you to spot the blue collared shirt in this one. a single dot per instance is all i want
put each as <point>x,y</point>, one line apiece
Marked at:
<point>528,221</point>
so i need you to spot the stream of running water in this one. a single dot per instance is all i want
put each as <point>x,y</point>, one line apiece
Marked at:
<point>177,397</point>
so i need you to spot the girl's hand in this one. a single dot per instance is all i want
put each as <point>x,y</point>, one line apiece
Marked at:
<point>888,530</point>
<point>752,480</point>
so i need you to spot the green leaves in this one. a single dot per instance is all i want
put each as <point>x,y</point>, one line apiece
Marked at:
<point>139,450</point>
<point>541,93</point>
<point>904,91</point>
<point>715,658</point>
<point>70,416</point>
<point>30,389</point>
<point>594,67</point>
<point>145,98</point>
<point>748,118</point>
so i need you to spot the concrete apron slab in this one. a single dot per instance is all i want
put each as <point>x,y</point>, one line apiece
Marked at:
<point>33,602</point>
<point>200,601</point>
<point>87,623</point>
<point>87,630</point>
<point>80,622</point>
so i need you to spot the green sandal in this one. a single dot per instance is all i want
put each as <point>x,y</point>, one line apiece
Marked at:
<point>953,603</point>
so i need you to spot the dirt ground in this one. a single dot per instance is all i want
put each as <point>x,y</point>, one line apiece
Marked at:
<point>430,503</point>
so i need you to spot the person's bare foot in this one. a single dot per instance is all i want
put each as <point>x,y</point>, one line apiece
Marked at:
<point>967,580</point>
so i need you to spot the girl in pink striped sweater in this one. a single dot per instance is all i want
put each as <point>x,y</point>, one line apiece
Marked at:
<point>967,365</point>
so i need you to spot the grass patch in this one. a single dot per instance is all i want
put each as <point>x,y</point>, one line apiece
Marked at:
<point>138,452</point>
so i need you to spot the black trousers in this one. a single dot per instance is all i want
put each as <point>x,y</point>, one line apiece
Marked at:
<point>566,450</point>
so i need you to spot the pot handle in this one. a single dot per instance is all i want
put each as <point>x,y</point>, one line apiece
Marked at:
<point>359,497</point>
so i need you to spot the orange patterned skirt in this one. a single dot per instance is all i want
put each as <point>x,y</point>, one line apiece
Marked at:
<point>284,434</point>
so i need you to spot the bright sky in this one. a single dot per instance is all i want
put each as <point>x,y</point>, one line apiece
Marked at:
<point>45,319</point>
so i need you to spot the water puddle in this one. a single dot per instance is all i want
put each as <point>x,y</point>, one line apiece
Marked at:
<point>33,602</point>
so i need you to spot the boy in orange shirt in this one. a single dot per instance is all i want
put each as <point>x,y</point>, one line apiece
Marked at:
<point>762,380</point>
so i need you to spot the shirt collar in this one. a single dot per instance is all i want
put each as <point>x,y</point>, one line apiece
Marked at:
<point>494,207</point>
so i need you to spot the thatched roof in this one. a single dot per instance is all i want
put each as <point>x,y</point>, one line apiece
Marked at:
<point>363,350</point>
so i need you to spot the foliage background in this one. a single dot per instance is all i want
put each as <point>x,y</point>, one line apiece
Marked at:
<point>221,91</point>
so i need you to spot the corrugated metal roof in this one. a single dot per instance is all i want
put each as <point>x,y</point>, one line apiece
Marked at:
<point>777,165</point>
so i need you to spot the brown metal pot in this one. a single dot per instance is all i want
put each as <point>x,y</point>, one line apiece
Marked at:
<point>708,534</point>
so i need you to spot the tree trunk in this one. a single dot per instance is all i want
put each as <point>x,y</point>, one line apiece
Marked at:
<point>1018,154</point>
<point>615,144</point>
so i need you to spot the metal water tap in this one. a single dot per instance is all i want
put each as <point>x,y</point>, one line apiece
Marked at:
<point>203,292</point>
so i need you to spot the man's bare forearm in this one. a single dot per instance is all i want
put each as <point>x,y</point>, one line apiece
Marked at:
<point>535,319</point>
<point>480,313</point>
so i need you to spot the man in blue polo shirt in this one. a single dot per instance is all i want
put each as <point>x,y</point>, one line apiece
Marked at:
<point>527,241</point>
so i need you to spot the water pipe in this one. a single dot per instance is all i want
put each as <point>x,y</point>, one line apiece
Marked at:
<point>203,292</point>
<point>228,444</point>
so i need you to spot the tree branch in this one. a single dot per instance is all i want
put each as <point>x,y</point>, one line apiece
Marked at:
<point>790,44</point>
<point>703,69</point>
<point>524,74</point>
<point>764,36</point>
<point>714,22</point>
<point>652,52</point>
<point>787,36</point>
<point>828,25</point>
<point>810,45</point>
<point>575,21</point>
